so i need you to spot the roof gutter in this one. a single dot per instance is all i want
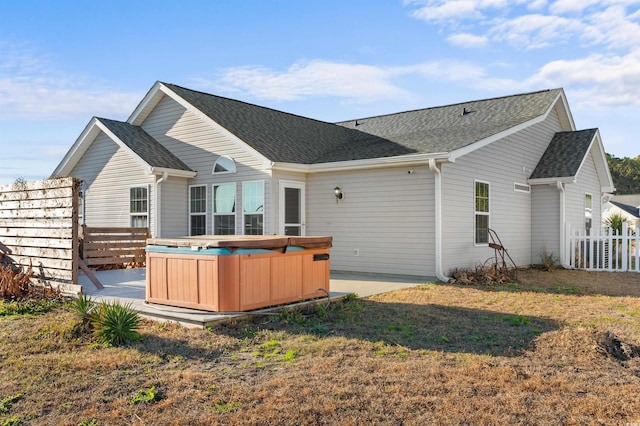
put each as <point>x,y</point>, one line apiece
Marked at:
<point>369,163</point>
<point>552,181</point>
<point>433,166</point>
<point>172,172</point>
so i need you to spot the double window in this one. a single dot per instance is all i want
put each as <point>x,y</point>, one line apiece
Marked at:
<point>198,210</point>
<point>139,206</point>
<point>481,224</point>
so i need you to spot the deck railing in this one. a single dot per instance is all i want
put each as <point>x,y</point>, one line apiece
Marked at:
<point>606,250</point>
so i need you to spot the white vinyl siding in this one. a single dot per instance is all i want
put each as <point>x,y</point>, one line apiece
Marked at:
<point>197,210</point>
<point>545,237</point>
<point>108,172</point>
<point>586,183</point>
<point>502,163</point>
<point>174,196</point>
<point>384,224</point>
<point>199,144</point>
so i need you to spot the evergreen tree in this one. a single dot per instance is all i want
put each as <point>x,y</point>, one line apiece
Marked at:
<point>625,173</point>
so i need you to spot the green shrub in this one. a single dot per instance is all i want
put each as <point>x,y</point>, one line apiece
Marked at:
<point>147,396</point>
<point>6,403</point>
<point>30,306</point>
<point>614,222</point>
<point>85,308</point>
<point>115,324</point>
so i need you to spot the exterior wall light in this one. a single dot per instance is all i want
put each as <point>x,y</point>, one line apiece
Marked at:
<point>338,193</point>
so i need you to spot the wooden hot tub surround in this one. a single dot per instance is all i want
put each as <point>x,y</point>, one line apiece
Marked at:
<point>236,273</point>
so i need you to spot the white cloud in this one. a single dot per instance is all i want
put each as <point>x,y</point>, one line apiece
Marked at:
<point>535,31</point>
<point>354,82</point>
<point>468,40</point>
<point>313,78</point>
<point>609,23</point>
<point>46,98</point>
<point>613,27</point>
<point>30,89</point>
<point>598,80</point>
<point>571,6</point>
<point>444,10</point>
<point>537,5</point>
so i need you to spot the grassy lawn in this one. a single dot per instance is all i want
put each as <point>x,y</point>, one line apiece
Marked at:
<point>534,352</point>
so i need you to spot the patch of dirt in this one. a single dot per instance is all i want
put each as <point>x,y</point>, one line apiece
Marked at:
<point>582,282</point>
<point>618,349</point>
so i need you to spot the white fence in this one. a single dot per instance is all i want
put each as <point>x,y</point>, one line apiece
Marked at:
<point>604,251</point>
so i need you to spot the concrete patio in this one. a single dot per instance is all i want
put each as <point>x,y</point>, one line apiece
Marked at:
<point>128,286</point>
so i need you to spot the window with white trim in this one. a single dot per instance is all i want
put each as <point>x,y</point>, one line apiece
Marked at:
<point>198,210</point>
<point>81,209</point>
<point>481,223</point>
<point>224,164</point>
<point>224,209</point>
<point>139,206</point>
<point>253,207</point>
<point>588,213</point>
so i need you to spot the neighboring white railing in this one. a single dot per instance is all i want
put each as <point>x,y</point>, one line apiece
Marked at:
<point>604,251</point>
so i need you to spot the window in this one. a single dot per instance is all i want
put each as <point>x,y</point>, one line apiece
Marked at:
<point>81,209</point>
<point>198,210</point>
<point>224,209</point>
<point>139,206</point>
<point>224,165</point>
<point>253,207</point>
<point>482,213</point>
<point>588,213</point>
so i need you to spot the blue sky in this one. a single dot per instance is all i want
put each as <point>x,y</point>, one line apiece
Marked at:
<point>62,62</point>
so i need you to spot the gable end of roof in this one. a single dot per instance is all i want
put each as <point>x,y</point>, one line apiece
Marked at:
<point>564,155</point>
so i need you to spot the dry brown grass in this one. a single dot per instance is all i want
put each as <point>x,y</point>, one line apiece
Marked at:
<point>526,353</point>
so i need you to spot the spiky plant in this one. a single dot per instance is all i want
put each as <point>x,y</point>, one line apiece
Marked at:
<point>116,324</point>
<point>614,222</point>
<point>85,308</point>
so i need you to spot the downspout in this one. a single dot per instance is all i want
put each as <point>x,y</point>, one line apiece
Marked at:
<point>563,218</point>
<point>158,205</point>
<point>437,173</point>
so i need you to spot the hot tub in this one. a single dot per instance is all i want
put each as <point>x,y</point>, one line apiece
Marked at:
<point>236,273</point>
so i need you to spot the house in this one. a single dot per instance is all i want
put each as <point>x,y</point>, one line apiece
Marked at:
<point>629,213</point>
<point>410,193</point>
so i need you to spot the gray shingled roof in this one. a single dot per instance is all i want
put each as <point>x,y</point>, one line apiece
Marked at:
<point>635,211</point>
<point>289,138</point>
<point>144,145</point>
<point>284,137</point>
<point>451,127</point>
<point>564,155</point>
